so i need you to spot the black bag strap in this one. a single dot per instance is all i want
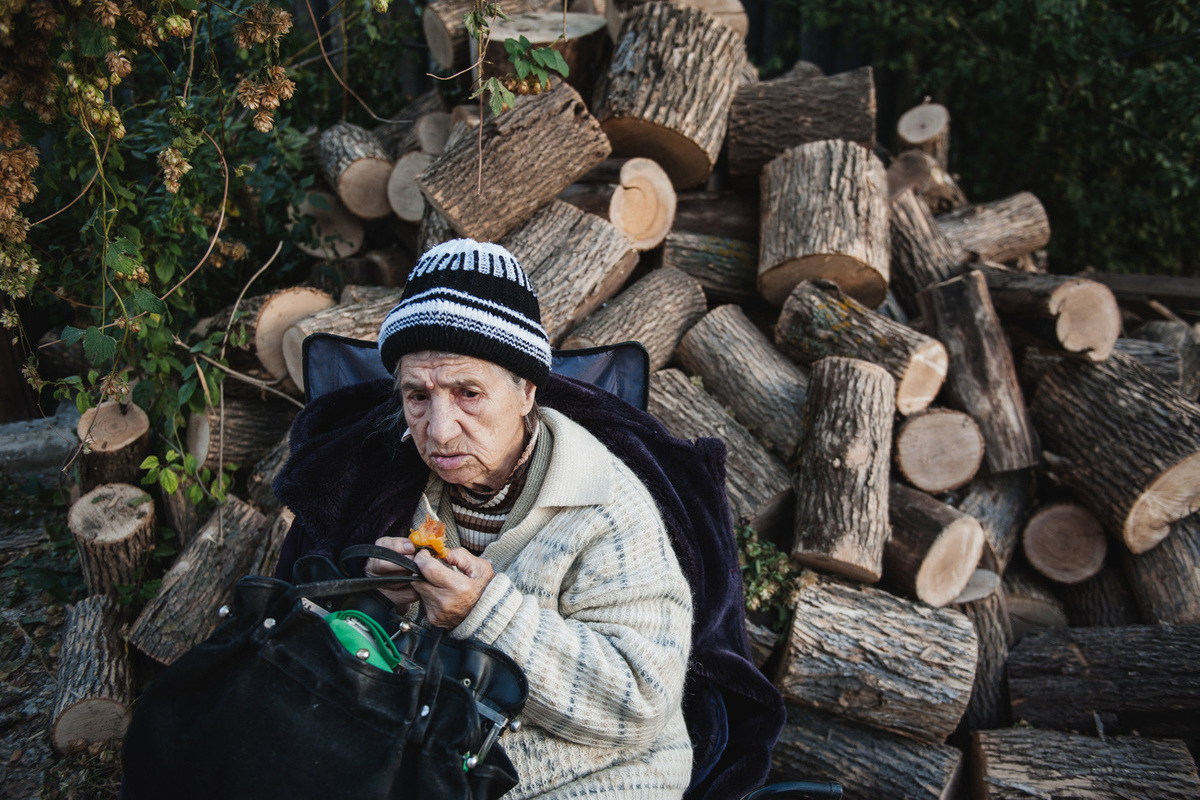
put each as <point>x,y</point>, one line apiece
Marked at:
<point>356,551</point>
<point>340,587</point>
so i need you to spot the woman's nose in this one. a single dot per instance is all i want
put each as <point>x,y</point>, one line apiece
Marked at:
<point>443,421</point>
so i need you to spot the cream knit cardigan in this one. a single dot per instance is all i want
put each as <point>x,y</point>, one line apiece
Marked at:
<point>589,599</point>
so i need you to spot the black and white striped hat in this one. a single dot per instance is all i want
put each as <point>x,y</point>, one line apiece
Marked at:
<point>474,299</point>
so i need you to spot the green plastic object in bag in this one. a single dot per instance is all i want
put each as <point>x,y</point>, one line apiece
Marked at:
<point>365,639</point>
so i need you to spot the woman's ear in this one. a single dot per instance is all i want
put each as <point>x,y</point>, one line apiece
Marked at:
<point>530,395</point>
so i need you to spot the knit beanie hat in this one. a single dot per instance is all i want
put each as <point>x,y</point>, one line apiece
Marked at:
<point>470,298</point>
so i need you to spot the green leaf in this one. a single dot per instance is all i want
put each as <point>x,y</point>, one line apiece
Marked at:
<point>148,462</point>
<point>122,256</point>
<point>190,5</point>
<point>93,39</point>
<point>71,335</point>
<point>146,300</point>
<point>169,481</point>
<point>522,67</point>
<point>98,347</point>
<point>555,61</point>
<point>195,494</point>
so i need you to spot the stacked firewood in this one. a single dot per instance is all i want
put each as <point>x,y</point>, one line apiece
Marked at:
<point>989,472</point>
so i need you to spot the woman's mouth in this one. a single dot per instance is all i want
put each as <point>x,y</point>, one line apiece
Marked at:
<point>448,461</point>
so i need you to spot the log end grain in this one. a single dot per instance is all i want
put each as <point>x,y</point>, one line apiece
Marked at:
<point>109,513</point>
<point>982,583</point>
<point>404,198</point>
<point>924,123</point>
<point>1088,318</point>
<point>838,564</point>
<point>686,163</point>
<point>1174,495</point>
<point>111,426</point>
<point>950,562</point>
<point>860,280</point>
<point>435,24</point>
<point>277,314</point>
<point>923,379</point>
<point>87,721</point>
<point>939,451</point>
<point>643,205</point>
<point>1065,542</point>
<point>363,187</point>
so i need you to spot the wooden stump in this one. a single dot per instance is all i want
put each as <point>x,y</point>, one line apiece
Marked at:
<point>866,761</point>
<point>237,431</point>
<point>94,679</point>
<point>933,548</point>
<point>1183,338</point>
<point>878,659</point>
<point>818,321</point>
<point>740,367</point>
<point>938,450</point>
<point>757,483</point>
<point>178,513</point>
<point>582,39</point>
<point>729,214</point>
<point>272,315</point>
<point>336,233</point>
<point>1021,763</point>
<point>1102,601</point>
<point>729,13</point>
<point>117,439</point>
<point>726,268</point>
<point>1157,358</point>
<point>1032,604</point>
<point>920,253</point>
<point>1083,313</point>
<point>202,578</point>
<point>768,117</point>
<point>446,33</point>
<point>1143,678</point>
<point>357,166</point>
<point>926,128</point>
<point>403,195</point>
<point>982,600</point>
<point>824,215</point>
<point>842,513</point>
<point>398,135</point>
<point>656,311</point>
<point>1064,542</point>
<point>999,231</point>
<point>919,171</point>
<point>1165,579</point>
<point>486,186</point>
<point>1127,446</point>
<point>433,230</point>
<point>359,320</point>
<point>576,260</point>
<point>1001,503</point>
<point>113,528</point>
<point>982,379</point>
<point>654,103</point>
<point>634,194</point>
<point>258,485</point>
<point>267,556</point>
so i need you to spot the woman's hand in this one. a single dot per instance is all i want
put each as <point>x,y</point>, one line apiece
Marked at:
<point>452,586</point>
<point>402,595</point>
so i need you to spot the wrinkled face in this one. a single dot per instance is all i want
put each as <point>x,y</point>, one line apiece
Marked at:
<point>465,415</point>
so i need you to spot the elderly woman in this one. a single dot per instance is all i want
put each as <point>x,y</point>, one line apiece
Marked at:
<point>559,557</point>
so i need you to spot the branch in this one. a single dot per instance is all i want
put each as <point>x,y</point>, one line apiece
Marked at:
<point>220,220</point>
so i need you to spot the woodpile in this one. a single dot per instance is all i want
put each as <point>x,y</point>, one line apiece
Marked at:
<point>985,473</point>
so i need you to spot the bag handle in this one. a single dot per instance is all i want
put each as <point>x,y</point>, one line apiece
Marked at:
<point>356,551</point>
<point>339,587</point>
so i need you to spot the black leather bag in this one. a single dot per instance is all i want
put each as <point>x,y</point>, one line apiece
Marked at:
<point>273,705</point>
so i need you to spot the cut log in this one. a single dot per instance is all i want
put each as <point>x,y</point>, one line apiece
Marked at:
<point>275,315</point>
<point>237,431</point>
<point>353,320</point>
<point>202,579</point>
<point>982,600</point>
<point>982,379</point>
<point>403,195</point>
<point>938,450</point>
<point>763,642</point>
<point>1064,542</point>
<point>267,556</point>
<point>656,311</point>
<point>867,762</point>
<point>1102,601</point>
<point>433,130</point>
<point>486,186</point>
<point>1127,446</point>
<point>113,528</point>
<point>878,659</point>
<point>729,214</point>
<point>1001,503</point>
<point>1183,338</point>
<point>357,166</point>
<point>729,13</point>
<point>1155,357</point>
<point>1165,579</point>
<point>331,231</point>
<point>768,117</point>
<point>637,198</point>
<point>577,262</point>
<point>94,679</point>
<point>933,548</point>
<point>757,484</point>
<point>1143,678</point>
<point>434,229</point>
<point>824,215</point>
<point>919,171</point>
<point>354,294</point>
<point>1084,313</point>
<point>581,39</point>
<point>842,524</point>
<point>399,135</point>
<point>177,512</point>
<point>920,253</point>
<point>803,69</point>
<point>1032,604</point>
<point>446,32</point>
<point>740,367</point>
<point>818,321</point>
<point>653,103</point>
<point>1000,231</point>
<point>116,437</point>
<point>926,128</point>
<point>1021,763</point>
<point>258,485</point>
<point>726,268</point>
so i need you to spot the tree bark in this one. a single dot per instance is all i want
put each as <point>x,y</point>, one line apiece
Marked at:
<point>202,578</point>
<point>878,659</point>
<point>113,528</point>
<point>656,311</point>
<point>919,171</point>
<point>1021,763</point>
<point>1165,579</point>
<point>867,762</point>
<point>818,321</point>
<point>117,438</point>
<point>982,380</point>
<point>1001,503</point>
<point>729,214</point>
<point>267,556</point>
<point>726,268</point>
<point>1032,604</point>
<point>1159,359</point>
<point>729,13</point>
<point>1064,542</point>
<point>581,39</point>
<point>674,110</point>
<point>398,135</point>
<point>354,320</point>
<point>842,468</point>
<point>1143,678</point>
<point>1102,601</point>
<point>1000,231</point>
<point>768,117</point>
<point>94,679</point>
<point>576,260</point>
<point>933,548</point>
<point>983,603</point>
<point>258,485</point>
<point>740,367</point>
<point>237,431</point>
<point>926,128</point>
<point>920,253</point>
<point>487,186</point>
<point>1128,446</point>
<point>637,198</point>
<point>446,33</point>
<point>757,483</point>
<point>433,230</point>
<point>357,166</point>
<point>938,450</point>
<point>335,232</point>
<point>824,215</point>
<point>1183,338</point>
<point>179,514</point>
